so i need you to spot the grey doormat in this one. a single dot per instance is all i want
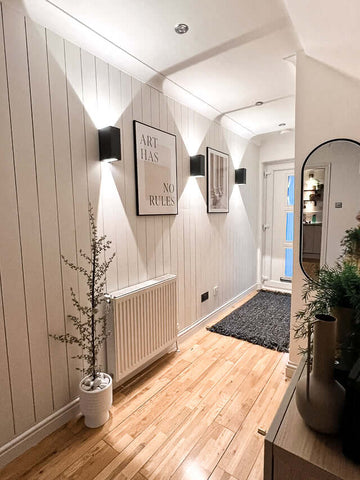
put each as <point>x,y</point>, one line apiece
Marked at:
<point>263,320</point>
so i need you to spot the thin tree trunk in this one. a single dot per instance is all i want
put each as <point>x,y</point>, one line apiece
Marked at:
<point>92,313</point>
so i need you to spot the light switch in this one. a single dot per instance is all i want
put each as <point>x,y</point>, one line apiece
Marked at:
<point>338,204</point>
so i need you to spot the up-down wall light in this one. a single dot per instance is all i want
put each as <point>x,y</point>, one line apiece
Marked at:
<point>109,144</point>
<point>240,176</point>
<point>197,165</point>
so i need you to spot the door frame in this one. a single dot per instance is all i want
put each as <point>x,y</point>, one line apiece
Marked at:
<point>286,164</point>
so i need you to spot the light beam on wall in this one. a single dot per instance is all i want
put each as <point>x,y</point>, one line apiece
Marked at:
<point>191,126</point>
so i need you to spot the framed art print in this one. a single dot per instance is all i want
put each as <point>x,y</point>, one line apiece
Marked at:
<point>217,181</point>
<point>155,170</point>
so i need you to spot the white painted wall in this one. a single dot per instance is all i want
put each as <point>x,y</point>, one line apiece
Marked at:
<point>276,146</point>
<point>53,97</point>
<point>327,107</point>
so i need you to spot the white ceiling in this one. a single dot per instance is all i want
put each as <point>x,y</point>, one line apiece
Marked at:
<point>234,54</point>
<point>329,31</point>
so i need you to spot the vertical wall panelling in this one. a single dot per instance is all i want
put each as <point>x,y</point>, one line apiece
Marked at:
<point>155,122</point>
<point>150,220</point>
<point>165,219</point>
<point>78,157</point>
<point>39,87</point>
<point>27,195</point>
<point>89,89</point>
<point>53,99</point>
<point>201,224</point>
<point>78,160</point>
<point>112,195</point>
<point>224,226</point>
<point>186,214</point>
<point>6,414</point>
<point>15,321</point>
<point>118,173</point>
<point>64,186</point>
<point>140,221</point>
<point>129,178</point>
<point>102,120</point>
<point>173,219</point>
<point>179,231</point>
<point>222,221</point>
<point>192,224</point>
<point>93,166</point>
<point>211,237</point>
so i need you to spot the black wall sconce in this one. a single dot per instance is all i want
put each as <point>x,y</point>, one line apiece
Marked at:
<point>240,176</point>
<point>197,165</point>
<point>109,144</point>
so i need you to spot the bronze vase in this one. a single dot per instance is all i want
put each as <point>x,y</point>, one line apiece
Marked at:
<point>320,398</point>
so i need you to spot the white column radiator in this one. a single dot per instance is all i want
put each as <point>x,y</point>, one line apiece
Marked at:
<point>144,325</point>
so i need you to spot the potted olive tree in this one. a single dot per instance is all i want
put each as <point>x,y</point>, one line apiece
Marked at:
<point>90,324</point>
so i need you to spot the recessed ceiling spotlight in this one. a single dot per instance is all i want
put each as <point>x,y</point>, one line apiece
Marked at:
<point>181,28</point>
<point>258,104</point>
<point>282,124</point>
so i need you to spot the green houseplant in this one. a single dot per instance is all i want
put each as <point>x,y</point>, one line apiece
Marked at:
<point>351,245</point>
<point>335,287</point>
<point>336,291</point>
<point>91,329</point>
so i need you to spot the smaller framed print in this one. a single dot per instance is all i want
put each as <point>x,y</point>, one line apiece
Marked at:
<point>217,181</point>
<point>155,171</point>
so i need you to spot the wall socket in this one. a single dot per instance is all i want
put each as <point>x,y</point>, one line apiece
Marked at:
<point>215,290</point>
<point>204,296</point>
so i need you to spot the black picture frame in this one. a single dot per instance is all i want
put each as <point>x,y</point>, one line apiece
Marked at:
<point>217,184</point>
<point>155,156</point>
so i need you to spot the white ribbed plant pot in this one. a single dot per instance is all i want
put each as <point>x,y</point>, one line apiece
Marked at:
<point>95,404</point>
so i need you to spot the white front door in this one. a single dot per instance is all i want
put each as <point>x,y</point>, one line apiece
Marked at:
<point>278,226</point>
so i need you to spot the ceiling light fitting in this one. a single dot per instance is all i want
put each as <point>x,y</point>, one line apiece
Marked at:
<point>282,124</point>
<point>181,28</point>
<point>258,104</point>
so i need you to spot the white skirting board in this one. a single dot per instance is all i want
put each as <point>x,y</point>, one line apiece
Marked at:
<point>35,434</point>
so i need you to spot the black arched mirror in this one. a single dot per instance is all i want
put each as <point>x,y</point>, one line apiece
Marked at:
<point>330,200</point>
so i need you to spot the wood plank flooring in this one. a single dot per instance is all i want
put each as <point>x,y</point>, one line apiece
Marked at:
<point>193,415</point>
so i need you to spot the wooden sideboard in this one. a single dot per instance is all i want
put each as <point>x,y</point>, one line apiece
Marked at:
<point>295,452</point>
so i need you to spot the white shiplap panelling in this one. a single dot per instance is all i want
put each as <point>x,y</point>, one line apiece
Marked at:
<point>53,98</point>
<point>15,358</point>
<point>48,208</point>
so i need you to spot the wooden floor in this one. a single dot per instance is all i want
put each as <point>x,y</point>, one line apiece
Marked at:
<point>194,415</point>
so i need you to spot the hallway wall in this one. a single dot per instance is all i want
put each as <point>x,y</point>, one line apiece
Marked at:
<point>327,107</point>
<point>53,98</point>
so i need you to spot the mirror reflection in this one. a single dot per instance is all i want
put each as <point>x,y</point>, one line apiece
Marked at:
<point>330,201</point>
